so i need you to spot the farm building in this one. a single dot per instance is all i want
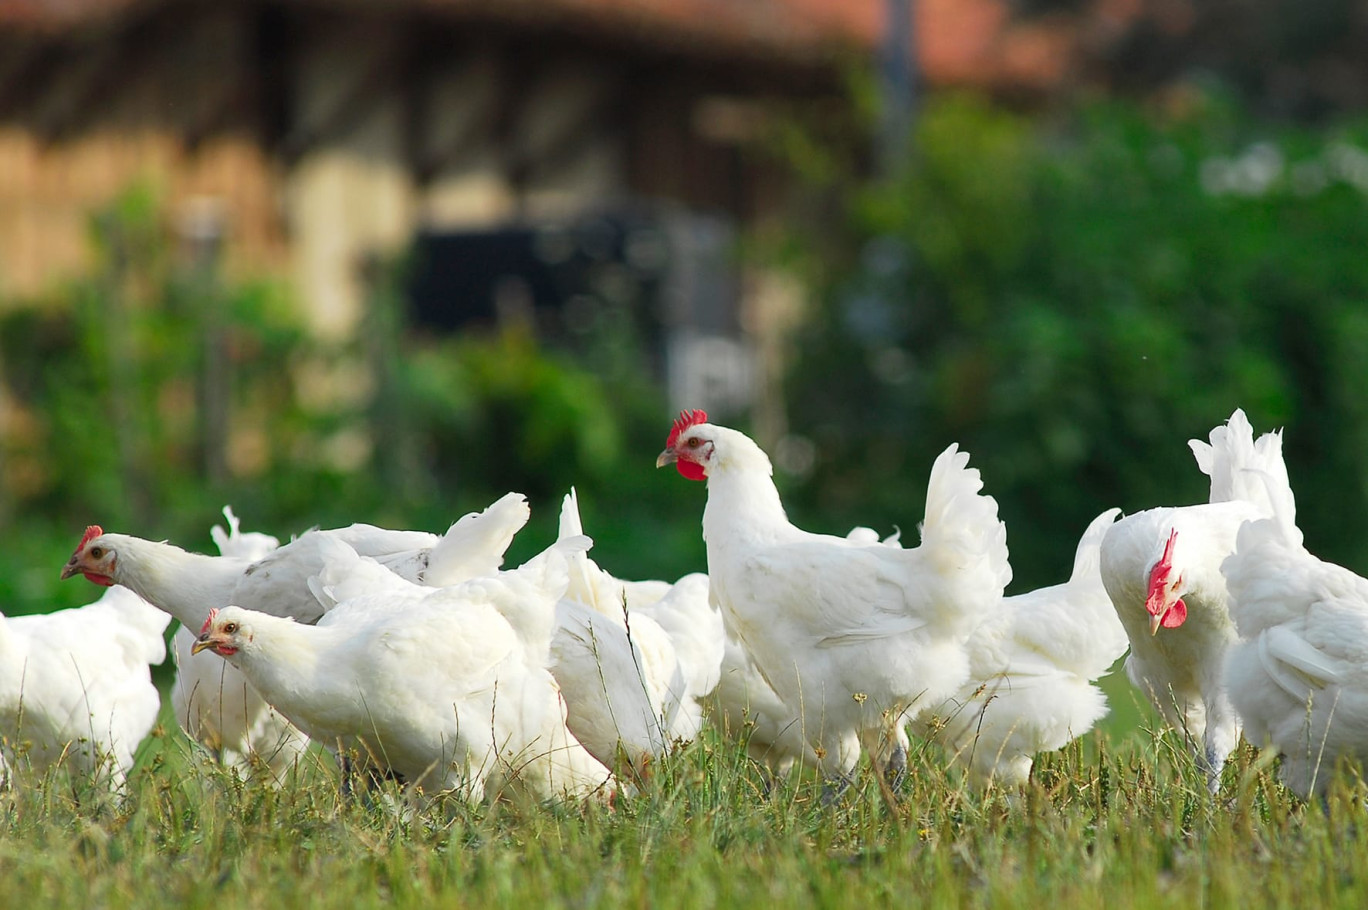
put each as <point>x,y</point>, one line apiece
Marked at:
<point>506,143</point>
<point>321,130</point>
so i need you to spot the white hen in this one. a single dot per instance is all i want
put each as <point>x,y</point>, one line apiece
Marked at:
<point>76,686</point>
<point>694,626</point>
<point>746,708</point>
<point>1033,663</point>
<point>433,684</point>
<point>1299,674</point>
<point>187,585</point>
<point>212,700</point>
<point>1162,570</point>
<point>646,638</point>
<point>852,637</point>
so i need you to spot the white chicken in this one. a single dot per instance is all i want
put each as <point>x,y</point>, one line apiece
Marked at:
<point>601,672</point>
<point>695,628</point>
<point>617,676</point>
<point>853,637</point>
<point>1299,674</point>
<point>212,700</point>
<point>747,709</point>
<point>590,656</point>
<point>1033,663</point>
<point>433,684</point>
<point>231,720</point>
<point>76,686</point>
<point>626,676</point>
<point>1162,570</point>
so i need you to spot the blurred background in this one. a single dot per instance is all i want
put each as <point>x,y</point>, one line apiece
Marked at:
<point>338,260</point>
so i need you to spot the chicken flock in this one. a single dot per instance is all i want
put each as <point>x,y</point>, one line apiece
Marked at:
<point>421,657</point>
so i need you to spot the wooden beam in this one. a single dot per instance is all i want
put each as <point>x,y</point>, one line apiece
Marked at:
<point>359,99</point>
<point>29,67</point>
<point>522,77</point>
<point>103,66</point>
<point>427,59</point>
<point>575,136</point>
<point>272,51</point>
<point>230,108</point>
<point>429,156</point>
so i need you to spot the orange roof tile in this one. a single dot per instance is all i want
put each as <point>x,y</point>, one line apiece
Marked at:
<point>958,41</point>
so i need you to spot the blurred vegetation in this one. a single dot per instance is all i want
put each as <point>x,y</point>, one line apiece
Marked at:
<point>1286,58</point>
<point>1069,295</point>
<point>106,391</point>
<point>1071,298</point>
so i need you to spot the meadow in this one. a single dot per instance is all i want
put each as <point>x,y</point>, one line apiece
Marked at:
<point>1070,305</point>
<point>1117,819</point>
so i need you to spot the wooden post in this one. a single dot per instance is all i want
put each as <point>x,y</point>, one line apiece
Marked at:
<point>121,361</point>
<point>201,228</point>
<point>396,456</point>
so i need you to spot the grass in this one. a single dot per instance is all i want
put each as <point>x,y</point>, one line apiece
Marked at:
<point>1119,819</point>
<point>1107,822</point>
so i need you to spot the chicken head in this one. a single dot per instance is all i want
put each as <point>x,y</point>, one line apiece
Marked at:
<point>1163,600</point>
<point>92,559</point>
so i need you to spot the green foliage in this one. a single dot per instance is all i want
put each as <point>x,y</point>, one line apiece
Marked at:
<point>110,384</point>
<point>493,414</point>
<point>512,415</point>
<point>1071,300</point>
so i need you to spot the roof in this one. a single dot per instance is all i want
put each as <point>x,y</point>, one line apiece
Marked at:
<point>958,41</point>
<point>791,24</point>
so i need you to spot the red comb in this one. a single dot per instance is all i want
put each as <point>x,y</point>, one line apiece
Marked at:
<point>1167,559</point>
<point>685,420</point>
<point>1154,600</point>
<point>91,533</point>
<point>208,622</point>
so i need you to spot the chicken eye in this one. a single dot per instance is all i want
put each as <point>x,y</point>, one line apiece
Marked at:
<point>694,442</point>
<point>230,628</point>
<point>97,552</point>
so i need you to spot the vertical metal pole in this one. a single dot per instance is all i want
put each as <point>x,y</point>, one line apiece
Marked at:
<point>897,83</point>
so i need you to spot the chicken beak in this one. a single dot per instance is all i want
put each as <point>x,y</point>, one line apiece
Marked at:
<point>203,643</point>
<point>70,569</point>
<point>1155,620</point>
<point>669,456</point>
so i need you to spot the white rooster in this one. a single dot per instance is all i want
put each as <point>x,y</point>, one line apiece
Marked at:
<point>76,686</point>
<point>436,685</point>
<point>853,637</point>
<point>1162,570</point>
<point>233,721</point>
<point>1033,663</point>
<point>1299,674</point>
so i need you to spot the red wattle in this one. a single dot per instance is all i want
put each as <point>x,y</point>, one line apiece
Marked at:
<point>691,469</point>
<point>1176,615</point>
<point>102,580</point>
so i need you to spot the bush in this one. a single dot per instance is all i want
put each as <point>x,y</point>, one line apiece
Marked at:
<point>1072,299</point>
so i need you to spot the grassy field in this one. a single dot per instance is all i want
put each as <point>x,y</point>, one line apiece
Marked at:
<point>1111,821</point>
<point>1120,819</point>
